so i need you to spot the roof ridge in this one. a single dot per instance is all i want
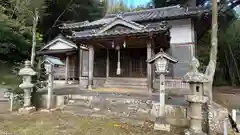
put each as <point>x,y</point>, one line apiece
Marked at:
<point>144,10</point>
<point>49,56</point>
<point>147,14</point>
<point>86,21</point>
<point>123,19</point>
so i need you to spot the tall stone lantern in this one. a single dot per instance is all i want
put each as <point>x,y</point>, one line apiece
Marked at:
<point>161,61</point>
<point>196,98</point>
<point>27,72</point>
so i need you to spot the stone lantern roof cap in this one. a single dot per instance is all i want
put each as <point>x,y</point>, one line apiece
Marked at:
<point>194,76</point>
<point>161,55</point>
<point>27,70</point>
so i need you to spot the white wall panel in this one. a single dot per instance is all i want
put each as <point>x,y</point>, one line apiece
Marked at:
<point>59,45</point>
<point>181,31</point>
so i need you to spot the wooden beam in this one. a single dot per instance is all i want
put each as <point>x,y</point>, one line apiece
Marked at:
<point>90,66</point>
<point>149,66</point>
<point>67,62</point>
<point>80,65</point>
<point>153,66</point>
<point>107,65</point>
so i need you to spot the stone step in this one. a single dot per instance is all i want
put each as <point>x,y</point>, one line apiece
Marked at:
<point>139,83</point>
<point>125,86</point>
<point>129,79</point>
<point>126,83</point>
<point>112,103</point>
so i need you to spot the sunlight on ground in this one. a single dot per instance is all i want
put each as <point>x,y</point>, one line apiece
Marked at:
<point>66,124</point>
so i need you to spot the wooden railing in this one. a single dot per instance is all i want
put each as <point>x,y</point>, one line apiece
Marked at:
<point>176,83</point>
<point>59,73</point>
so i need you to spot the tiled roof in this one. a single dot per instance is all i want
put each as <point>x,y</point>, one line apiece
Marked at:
<point>62,39</point>
<point>54,61</point>
<point>48,52</point>
<point>146,15</point>
<point>94,34</point>
<point>73,25</point>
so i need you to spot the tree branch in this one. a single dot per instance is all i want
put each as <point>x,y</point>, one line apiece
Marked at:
<point>55,22</point>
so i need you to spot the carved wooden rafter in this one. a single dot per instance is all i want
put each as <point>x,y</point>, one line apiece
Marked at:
<point>120,21</point>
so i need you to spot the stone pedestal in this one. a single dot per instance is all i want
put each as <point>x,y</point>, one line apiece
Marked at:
<point>162,125</point>
<point>196,114</point>
<point>160,120</point>
<point>194,132</point>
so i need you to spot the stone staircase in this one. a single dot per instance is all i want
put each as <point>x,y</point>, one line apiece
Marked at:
<point>110,106</point>
<point>127,108</point>
<point>137,83</point>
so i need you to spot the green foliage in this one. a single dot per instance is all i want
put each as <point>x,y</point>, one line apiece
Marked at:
<point>229,52</point>
<point>227,71</point>
<point>13,45</point>
<point>59,11</point>
<point>118,7</point>
<point>164,3</point>
<point>15,29</point>
<point>24,10</point>
<point>8,76</point>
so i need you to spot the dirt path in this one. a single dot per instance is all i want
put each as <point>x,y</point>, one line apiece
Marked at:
<point>58,123</point>
<point>227,96</point>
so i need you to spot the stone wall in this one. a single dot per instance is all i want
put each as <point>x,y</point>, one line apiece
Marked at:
<point>97,81</point>
<point>131,107</point>
<point>116,106</point>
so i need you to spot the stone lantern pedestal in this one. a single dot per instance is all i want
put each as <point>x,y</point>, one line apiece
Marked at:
<point>27,72</point>
<point>196,98</point>
<point>196,103</point>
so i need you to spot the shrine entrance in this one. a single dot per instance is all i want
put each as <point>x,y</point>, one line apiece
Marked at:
<point>132,62</point>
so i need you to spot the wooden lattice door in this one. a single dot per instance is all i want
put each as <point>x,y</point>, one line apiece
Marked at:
<point>133,63</point>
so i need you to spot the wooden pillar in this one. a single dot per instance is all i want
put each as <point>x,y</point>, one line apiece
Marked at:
<point>153,67</point>
<point>90,66</point>
<point>67,69</point>
<point>149,66</point>
<point>107,65</point>
<point>80,65</point>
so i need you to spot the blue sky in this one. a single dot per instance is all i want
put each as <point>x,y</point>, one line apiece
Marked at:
<point>136,3</point>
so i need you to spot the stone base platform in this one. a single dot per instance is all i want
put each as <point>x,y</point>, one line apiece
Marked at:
<point>162,125</point>
<point>191,132</point>
<point>27,110</point>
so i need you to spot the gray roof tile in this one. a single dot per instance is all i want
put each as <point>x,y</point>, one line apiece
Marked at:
<point>84,35</point>
<point>146,15</point>
<point>160,27</point>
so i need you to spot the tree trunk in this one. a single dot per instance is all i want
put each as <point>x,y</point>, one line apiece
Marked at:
<point>211,68</point>
<point>35,22</point>
<point>210,71</point>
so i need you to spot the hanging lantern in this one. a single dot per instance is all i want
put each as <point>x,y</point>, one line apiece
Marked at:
<point>124,44</point>
<point>118,63</point>
<point>112,44</point>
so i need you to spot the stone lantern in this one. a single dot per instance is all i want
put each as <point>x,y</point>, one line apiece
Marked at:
<point>196,98</point>
<point>161,61</point>
<point>27,72</point>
